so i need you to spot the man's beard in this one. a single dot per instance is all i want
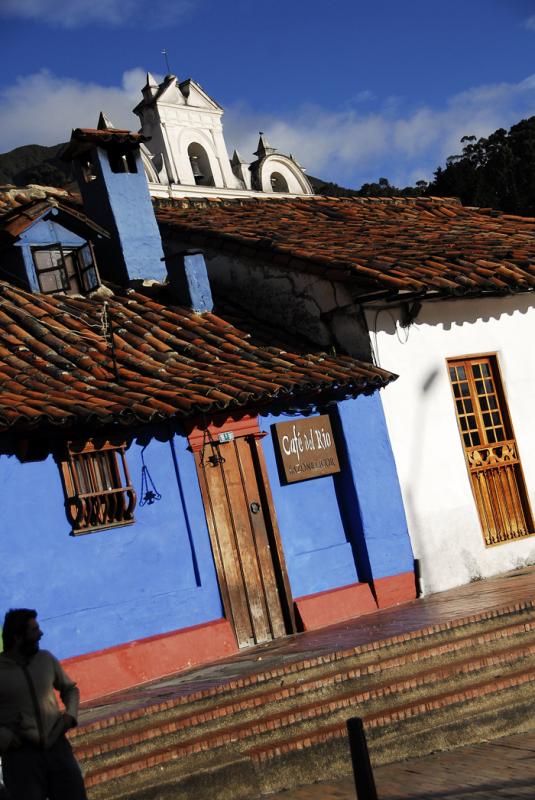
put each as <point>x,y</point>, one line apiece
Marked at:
<point>29,649</point>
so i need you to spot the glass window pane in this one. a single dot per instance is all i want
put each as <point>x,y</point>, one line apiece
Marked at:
<point>489,387</point>
<point>47,259</point>
<point>465,389</point>
<point>491,436</point>
<point>81,474</point>
<point>484,403</point>
<point>90,279</point>
<point>461,373</point>
<point>85,256</point>
<point>51,281</point>
<point>485,370</point>
<point>479,387</point>
<point>476,369</point>
<point>500,434</point>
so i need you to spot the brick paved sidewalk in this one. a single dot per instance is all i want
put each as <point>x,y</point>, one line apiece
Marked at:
<point>487,771</point>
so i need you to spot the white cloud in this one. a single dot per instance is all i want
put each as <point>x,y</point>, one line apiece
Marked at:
<point>530,23</point>
<point>350,146</point>
<point>42,109</point>
<point>78,13</point>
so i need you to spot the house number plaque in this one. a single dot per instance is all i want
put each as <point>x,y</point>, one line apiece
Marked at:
<point>306,448</point>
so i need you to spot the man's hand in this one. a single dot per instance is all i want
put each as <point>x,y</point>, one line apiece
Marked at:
<point>68,722</point>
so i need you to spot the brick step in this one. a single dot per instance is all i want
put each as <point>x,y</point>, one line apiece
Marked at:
<point>367,659</point>
<point>319,712</point>
<point>356,690</point>
<point>471,720</point>
<point>210,778</point>
<point>398,713</point>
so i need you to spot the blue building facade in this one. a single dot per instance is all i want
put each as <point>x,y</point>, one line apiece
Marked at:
<point>169,587</point>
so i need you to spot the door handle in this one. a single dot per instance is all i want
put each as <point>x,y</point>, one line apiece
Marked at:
<point>255,507</point>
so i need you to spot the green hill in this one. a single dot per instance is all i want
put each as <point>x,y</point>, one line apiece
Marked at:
<point>34,163</point>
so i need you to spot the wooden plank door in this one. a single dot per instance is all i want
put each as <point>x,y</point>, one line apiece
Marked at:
<point>245,541</point>
<point>490,448</point>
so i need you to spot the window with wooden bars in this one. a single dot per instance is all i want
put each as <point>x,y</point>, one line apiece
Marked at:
<point>490,449</point>
<point>99,493</point>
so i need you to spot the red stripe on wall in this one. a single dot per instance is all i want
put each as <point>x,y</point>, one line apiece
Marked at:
<point>334,605</point>
<point>395,589</point>
<point>106,671</point>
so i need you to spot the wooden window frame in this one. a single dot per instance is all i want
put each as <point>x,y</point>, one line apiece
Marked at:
<point>479,456</point>
<point>108,499</point>
<point>83,266</point>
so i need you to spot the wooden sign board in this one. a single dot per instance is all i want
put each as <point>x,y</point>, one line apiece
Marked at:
<point>306,448</point>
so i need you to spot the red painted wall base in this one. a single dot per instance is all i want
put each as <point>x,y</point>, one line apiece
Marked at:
<point>395,589</point>
<point>106,671</point>
<point>116,668</point>
<point>326,608</point>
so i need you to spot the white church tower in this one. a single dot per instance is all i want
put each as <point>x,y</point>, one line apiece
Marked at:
<point>187,156</point>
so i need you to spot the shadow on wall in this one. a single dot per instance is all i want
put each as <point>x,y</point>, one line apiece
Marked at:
<point>455,312</point>
<point>421,413</point>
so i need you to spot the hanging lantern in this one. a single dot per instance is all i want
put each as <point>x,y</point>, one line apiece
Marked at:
<point>149,492</point>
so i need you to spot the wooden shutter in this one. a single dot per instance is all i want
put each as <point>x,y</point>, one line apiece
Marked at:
<point>490,449</point>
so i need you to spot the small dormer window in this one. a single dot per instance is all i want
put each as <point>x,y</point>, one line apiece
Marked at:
<point>64,269</point>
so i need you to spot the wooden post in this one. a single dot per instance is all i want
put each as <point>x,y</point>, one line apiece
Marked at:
<point>362,768</point>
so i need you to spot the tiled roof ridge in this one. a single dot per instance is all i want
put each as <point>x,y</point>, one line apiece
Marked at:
<point>14,198</point>
<point>108,135</point>
<point>57,366</point>
<point>384,244</point>
<point>196,202</point>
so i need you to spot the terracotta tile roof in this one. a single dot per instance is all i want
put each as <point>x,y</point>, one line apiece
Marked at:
<point>16,221</point>
<point>397,244</point>
<point>16,197</point>
<point>57,365</point>
<point>83,138</point>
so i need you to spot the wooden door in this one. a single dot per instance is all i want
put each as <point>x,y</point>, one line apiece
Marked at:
<point>245,539</point>
<point>490,448</point>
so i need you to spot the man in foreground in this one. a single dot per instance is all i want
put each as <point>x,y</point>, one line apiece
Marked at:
<point>37,760</point>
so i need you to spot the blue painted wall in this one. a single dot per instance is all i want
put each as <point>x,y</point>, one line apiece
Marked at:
<point>157,575</point>
<point>114,586</point>
<point>316,545</point>
<point>351,526</point>
<point>379,522</point>
<point>120,202</point>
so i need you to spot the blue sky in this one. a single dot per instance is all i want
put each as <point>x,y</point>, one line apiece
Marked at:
<point>356,90</point>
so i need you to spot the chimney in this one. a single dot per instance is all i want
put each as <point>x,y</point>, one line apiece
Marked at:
<point>188,278</point>
<point>109,169</point>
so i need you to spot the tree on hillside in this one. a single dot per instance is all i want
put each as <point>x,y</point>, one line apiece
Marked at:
<point>497,171</point>
<point>380,188</point>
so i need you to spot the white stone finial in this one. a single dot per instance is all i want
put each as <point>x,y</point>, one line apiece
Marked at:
<point>105,123</point>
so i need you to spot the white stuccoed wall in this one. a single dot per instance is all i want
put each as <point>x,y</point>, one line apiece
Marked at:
<point>441,512</point>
